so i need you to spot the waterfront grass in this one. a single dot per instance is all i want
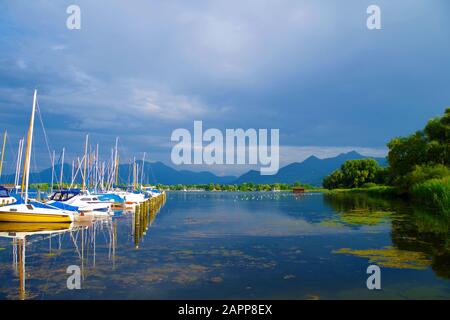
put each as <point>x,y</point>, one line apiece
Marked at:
<point>372,190</point>
<point>434,193</point>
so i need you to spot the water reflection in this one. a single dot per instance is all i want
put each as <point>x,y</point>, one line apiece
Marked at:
<point>142,219</point>
<point>428,233</point>
<point>420,236</point>
<point>79,240</point>
<point>21,234</point>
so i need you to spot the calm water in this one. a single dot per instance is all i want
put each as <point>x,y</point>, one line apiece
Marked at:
<point>237,245</point>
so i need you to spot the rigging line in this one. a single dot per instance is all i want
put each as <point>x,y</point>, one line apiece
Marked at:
<point>76,173</point>
<point>37,174</point>
<point>61,165</point>
<point>43,129</point>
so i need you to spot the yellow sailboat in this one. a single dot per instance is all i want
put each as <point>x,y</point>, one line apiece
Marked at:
<point>24,210</point>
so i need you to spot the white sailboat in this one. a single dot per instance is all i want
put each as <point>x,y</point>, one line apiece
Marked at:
<point>83,200</point>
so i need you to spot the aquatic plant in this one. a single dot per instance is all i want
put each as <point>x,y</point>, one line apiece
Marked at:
<point>370,218</point>
<point>391,257</point>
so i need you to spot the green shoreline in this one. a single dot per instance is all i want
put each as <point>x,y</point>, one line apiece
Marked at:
<point>431,200</point>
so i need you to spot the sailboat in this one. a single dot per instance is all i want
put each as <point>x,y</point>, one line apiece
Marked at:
<point>84,201</point>
<point>32,211</point>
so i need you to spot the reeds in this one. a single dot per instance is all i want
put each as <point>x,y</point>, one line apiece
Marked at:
<point>434,193</point>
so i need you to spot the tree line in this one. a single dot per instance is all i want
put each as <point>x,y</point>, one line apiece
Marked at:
<point>244,187</point>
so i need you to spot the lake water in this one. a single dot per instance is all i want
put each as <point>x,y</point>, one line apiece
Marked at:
<point>233,246</point>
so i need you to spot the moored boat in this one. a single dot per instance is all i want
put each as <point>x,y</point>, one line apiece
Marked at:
<point>32,211</point>
<point>84,201</point>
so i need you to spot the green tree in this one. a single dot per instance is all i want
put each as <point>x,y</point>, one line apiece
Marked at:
<point>353,174</point>
<point>334,180</point>
<point>429,147</point>
<point>358,172</point>
<point>407,152</point>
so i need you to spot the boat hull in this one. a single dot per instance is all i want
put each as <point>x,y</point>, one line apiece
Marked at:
<point>34,217</point>
<point>33,227</point>
<point>30,213</point>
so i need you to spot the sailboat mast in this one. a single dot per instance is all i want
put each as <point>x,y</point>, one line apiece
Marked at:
<point>73,170</point>
<point>18,163</point>
<point>129,172</point>
<point>111,170</point>
<point>62,169</point>
<point>26,180</point>
<point>117,170</point>
<point>136,179</point>
<point>96,169</point>
<point>3,152</point>
<point>85,162</point>
<point>116,163</point>
<point>142,169</point>
<point>53,171</point>
<point>134,173</point>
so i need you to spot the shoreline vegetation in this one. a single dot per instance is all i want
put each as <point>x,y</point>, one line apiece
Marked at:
<point>244,187</point>
<point>418,169</point>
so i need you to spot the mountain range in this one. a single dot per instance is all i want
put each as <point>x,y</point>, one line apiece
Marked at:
<point>310,171</point>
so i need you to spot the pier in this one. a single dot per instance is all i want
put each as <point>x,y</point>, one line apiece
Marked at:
<point>144,215</point>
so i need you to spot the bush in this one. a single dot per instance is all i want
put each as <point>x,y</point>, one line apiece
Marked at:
<point>434,193</point>
<point>369,185</point>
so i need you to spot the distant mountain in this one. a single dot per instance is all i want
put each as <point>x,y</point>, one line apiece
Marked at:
<point>154,173</point>
<point>310,171</point>
<point>158,172</point>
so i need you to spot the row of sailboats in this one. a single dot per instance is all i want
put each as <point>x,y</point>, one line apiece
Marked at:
<point>68,205</point>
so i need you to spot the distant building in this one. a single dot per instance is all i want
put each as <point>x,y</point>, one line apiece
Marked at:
<point>298,190</point>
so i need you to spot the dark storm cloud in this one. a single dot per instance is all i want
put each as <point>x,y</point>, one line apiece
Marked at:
<point>140,70</point>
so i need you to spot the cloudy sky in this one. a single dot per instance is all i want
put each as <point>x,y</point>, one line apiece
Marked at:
<point>140,69</point>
